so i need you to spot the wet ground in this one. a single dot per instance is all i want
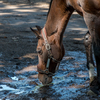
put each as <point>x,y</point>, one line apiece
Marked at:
<point>18,57</point>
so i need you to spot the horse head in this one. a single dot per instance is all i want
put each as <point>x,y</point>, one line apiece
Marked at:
<point>50,48</point>
<point>50,53</point>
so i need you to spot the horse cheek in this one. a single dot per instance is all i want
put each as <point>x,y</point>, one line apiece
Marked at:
<point>45,56</point>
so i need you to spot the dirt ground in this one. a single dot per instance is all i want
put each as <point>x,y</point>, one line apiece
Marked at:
<point>18,55</point>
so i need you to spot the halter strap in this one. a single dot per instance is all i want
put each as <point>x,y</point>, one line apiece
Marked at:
<point>50,56</point>
<point>44,34</point>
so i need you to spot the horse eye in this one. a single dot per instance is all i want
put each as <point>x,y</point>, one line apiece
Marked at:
<point>39,51</point>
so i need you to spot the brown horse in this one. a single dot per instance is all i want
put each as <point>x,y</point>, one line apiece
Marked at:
<point>50,48</point>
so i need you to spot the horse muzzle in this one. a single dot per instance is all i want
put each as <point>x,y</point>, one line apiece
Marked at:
<point>45,79</point>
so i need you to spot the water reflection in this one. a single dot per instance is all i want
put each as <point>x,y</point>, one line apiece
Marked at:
<point>47,93</point>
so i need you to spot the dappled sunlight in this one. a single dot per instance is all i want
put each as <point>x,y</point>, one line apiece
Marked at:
<point>87,82</point>
<point>78,29</point>
<point>82,74</point>
<point>25,15</point>
<point>77,64</point>
<point>2,64</point>
<point>79,39</point>
<point>1,1</point>
<point>6,80</point>
<point>24,10</point>
<point>70,73</point>
<point>30,68</point>
<point>11,7</point>
<point>3,14</point>
<point>75,86</point>
<point>42,5</point>
<point>30,55</point>
<point>22,22</point>
<point>33,76</point>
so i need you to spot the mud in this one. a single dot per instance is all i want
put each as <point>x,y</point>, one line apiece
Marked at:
<point>18,57</point>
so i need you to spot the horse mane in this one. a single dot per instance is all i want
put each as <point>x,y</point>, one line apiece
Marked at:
<point>49,7</point>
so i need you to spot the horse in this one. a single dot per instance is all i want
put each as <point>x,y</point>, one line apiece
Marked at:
<point>50,48</point>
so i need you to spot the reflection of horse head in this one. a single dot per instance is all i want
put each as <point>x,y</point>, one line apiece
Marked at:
<point>47,92</point>
<point>50,48</point>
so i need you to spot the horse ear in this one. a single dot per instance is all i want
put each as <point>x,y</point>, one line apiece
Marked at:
<point>38,28</point>
<point>37,33</point>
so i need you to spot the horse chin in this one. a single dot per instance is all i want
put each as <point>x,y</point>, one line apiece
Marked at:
<point>44,79</point>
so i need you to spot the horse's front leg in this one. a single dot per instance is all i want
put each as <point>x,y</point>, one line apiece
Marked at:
<point>91,21</point>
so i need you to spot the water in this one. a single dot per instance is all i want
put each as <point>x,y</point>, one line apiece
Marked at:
<point>5,87</point>
<point>70,81</point>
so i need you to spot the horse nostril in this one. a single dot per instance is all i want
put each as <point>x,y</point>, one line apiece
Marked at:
<point>38,51</point>
<point>45,80</point>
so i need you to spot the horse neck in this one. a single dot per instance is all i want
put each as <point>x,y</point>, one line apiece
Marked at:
<point>58,18</point>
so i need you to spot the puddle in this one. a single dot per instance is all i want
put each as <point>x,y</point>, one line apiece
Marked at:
<point>70,81</point>
<point>14,78</point>
<point>5,87</point>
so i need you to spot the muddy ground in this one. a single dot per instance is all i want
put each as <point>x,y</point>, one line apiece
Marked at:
<point>18,57</point>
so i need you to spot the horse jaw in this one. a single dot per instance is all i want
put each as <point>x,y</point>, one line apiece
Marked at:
<point>44,79</point>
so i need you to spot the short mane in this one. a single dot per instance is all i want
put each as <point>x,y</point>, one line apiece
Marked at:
<point>49,7</point>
